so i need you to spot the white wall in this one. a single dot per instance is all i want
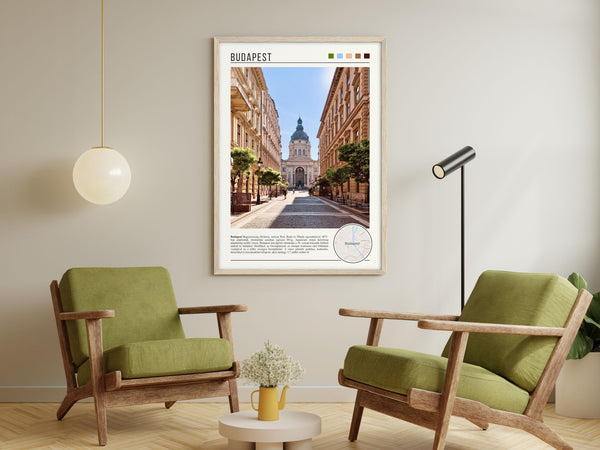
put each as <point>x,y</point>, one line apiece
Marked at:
<point>517,80</point>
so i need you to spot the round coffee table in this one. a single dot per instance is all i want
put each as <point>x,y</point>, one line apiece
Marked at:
<point>294,428</point>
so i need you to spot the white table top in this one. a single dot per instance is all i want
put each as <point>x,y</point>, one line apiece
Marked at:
<point>291,426</point>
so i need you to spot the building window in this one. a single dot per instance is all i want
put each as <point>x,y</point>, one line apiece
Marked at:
<point>348,78</point>
<point>348,109</point>
<point>341,118</point>
<point>356,135</point>
<point>357,90</point>
<point>239,134</point>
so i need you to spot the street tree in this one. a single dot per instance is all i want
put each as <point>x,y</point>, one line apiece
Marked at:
<point>242,159</point>
<point>324,186</point>
<point>356,156</point>
<point>269,177</point>
<point>338,177</point>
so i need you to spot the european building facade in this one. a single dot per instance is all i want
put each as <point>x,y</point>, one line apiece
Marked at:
<point>254,123</point>
<point>345,118</point>
<point>247,85</point>
<point>299,170</point>
<point>270,152</point>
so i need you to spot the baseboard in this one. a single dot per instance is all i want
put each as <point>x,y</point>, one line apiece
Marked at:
<point>296,394</point>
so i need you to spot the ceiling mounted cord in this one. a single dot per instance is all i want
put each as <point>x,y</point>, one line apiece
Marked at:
<point>101,175</point>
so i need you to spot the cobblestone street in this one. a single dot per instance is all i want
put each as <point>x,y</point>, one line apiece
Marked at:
<point>300,210</point>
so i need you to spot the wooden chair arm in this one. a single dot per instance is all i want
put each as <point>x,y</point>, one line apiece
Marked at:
<point>374,314</point>
<point>213,309</point>
<point>476,327</point>
<point>377,318</point>
<point>223,317</point>
<point>87,315</point>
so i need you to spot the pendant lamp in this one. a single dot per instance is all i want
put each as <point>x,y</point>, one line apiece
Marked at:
<point>101,175</point>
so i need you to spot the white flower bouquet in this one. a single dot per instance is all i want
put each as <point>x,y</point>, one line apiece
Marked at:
<point>271,367</point>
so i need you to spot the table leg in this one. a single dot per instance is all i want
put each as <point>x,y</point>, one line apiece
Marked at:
<point>269,446</point>
<point>232,444</point>
<point>306,444</point>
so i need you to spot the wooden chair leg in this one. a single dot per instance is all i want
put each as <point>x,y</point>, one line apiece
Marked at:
<point>69,400</point>
<point>539,429</point>
<point>169,404</point>
<point>100,403</point>
<point>94,336</point>
<point>455,357</point>
<point>356,418</point>
<point>480,423</point>
<point>234,402</point>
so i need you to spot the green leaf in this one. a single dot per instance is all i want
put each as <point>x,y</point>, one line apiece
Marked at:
<point>582,345</point>
<point>594,309</point>
<point>578,281</point>
<point>592,329</point>
<point>591,321</point>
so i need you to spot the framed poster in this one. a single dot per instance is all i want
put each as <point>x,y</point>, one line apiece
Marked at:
<point>299,155</point>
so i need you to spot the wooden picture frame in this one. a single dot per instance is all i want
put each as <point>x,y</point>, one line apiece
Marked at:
<point>299,155</point>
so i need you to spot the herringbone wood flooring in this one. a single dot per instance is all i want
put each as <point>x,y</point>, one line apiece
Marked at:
<point>194,425</point>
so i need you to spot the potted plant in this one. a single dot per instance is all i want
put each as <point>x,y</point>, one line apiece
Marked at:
<point>270,368</point>
<point>582,367</point>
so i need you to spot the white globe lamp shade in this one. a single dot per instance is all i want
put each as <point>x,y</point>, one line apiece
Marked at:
<point>101,175</point>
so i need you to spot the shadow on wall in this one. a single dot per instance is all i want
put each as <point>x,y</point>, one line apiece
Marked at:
<point>50,189</point>
<point>29,321</point>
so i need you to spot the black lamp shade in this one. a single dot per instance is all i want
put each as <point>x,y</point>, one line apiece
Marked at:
<point>453,162</point>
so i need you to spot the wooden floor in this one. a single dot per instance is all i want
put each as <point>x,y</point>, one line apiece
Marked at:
<point>194,425</point>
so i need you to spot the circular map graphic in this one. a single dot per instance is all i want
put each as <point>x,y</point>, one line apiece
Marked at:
<point>352,243</point>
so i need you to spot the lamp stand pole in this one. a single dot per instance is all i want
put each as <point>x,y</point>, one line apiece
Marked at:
<point>462,238</point>
<point>440,170</point>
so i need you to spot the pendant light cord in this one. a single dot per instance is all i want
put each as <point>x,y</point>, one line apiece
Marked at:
<point>102,83</point>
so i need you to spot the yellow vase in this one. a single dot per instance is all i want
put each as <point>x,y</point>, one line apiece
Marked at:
<point>268,406</point>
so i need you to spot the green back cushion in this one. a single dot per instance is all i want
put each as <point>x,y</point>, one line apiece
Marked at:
<point>518,299</point>
<point>142,298</point>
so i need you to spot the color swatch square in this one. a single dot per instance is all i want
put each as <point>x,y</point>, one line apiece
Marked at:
<point>367,56</point>
<point>348,55</point>
<point>357,56</point>
<point>330,56</point>
<point>340,56</point>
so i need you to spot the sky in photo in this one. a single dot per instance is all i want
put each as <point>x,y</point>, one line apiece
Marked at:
<point>299,91</point>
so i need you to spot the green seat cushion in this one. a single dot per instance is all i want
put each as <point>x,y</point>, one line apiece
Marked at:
<point>164,357</point>
<point>519,299</point>
<point>142,298</point>
<point>398,370</point>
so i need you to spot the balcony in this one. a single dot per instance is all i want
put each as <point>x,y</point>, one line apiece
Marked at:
<point>239,100</point>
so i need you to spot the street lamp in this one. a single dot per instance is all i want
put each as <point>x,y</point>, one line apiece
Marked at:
<point>259,164</point>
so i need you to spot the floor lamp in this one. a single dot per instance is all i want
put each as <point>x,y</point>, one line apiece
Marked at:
<point>440,170</point>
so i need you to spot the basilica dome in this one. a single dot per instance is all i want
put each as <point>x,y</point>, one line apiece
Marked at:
<point>299,133</point>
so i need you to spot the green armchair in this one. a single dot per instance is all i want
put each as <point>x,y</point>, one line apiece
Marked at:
<point>122,342</point>
<point>499,366</point>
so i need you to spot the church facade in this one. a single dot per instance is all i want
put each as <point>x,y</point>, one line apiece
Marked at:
<point>299,170</point>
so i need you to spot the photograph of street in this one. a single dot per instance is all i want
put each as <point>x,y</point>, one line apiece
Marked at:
<point>299,147</point>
